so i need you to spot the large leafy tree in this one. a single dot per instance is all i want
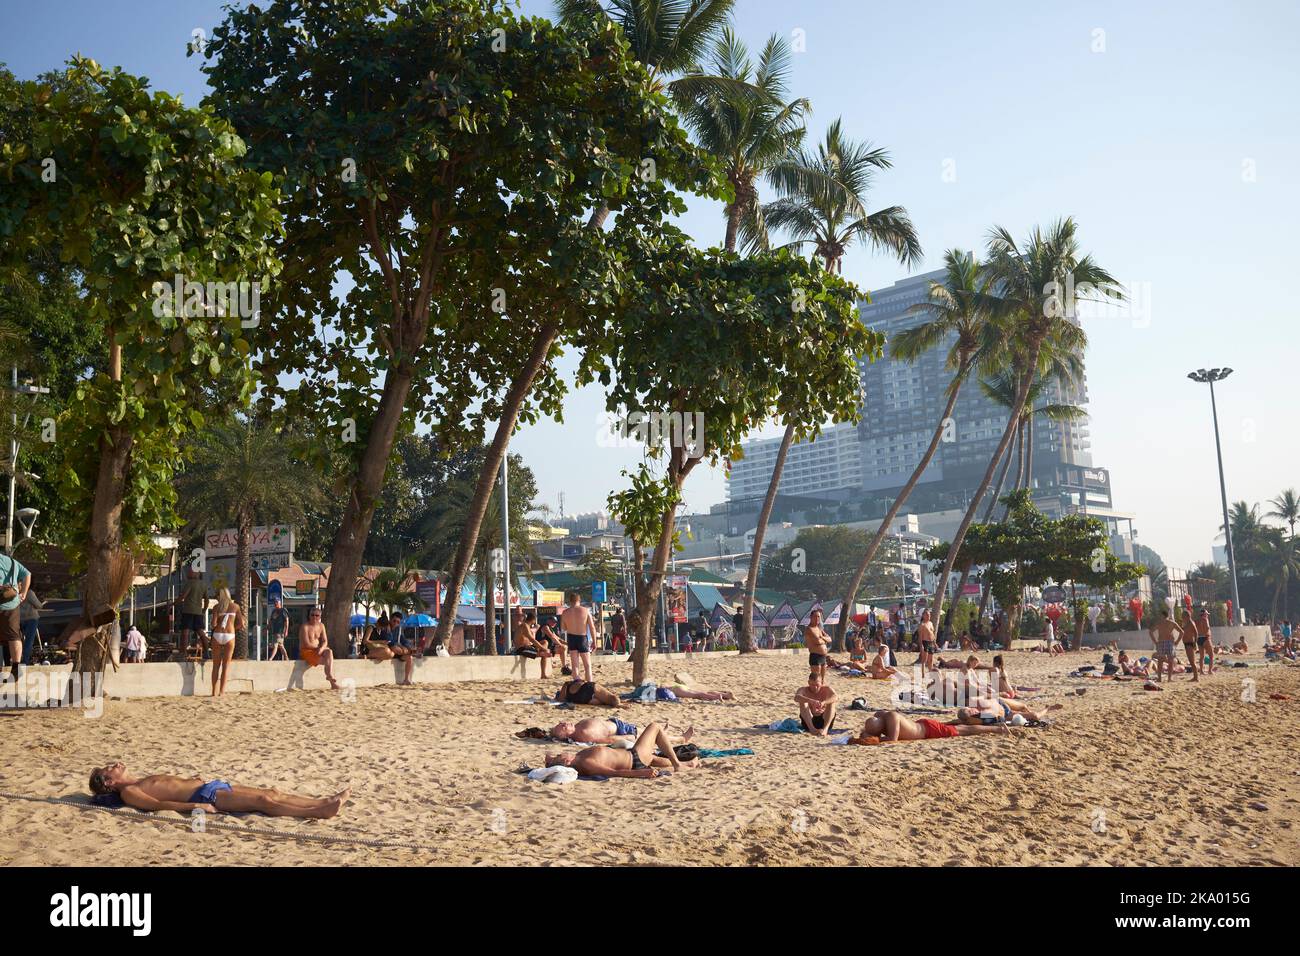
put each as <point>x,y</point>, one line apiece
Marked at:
<point>135,190</point>
<point>439,164</point>
<point>244,473</point>
<point>719,339</point>
<point>1039,284</point>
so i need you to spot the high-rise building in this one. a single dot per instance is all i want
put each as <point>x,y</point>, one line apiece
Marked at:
<point>902,403</point>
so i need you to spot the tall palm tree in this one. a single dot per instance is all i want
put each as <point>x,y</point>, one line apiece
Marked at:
<point>750,131</point>
<point>959,307</point>
<point>1038,286</point>
<point>823,202</point>
<point>1278,560</point>
<point>823,198</point>
<point>246,472</point>
<point>1286,508</point>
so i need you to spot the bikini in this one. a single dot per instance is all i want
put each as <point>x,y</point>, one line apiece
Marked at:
<point>224,636</point>
<point>582,695</point>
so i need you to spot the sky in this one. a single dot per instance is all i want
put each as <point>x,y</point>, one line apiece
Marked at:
<point>1169,132</point>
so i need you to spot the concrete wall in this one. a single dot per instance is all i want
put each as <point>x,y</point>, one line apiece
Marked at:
<point>189,679</point>
<point>1256,637</point>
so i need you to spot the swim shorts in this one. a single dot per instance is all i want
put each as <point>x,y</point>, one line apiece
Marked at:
<point>816,660</point>
<point>310,655</point>
<point>208,792</point>
<point>935,730</point>
<point>623,728</point>
<point>577,643</point>
<point>1164,648</point>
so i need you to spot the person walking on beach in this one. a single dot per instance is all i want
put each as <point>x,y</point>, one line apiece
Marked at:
<point>817,641</point>
<point>1165,633</point>
<point>578,633</point>
<point>1204,639</point>
<point>1189,644</point>
<point>277,631</point>
<point>313,646</point>
<point>134,645</point>
<point>227,620</point>
<point>926,642</point>
<point>29,622</point>
<point>618,625</point>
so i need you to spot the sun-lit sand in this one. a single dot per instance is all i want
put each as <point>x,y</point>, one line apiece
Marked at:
<point>1190,775</point>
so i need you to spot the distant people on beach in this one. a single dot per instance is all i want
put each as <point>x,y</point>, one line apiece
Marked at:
<point>1204,639</point>
<point>817,641</point>
<point>29,622</point>
<point>227,620</point>
<point>1188,628</point>
<point>929,647</point>
<point>1164,633</point>
<point>618,627</point>
<point>192,600</point>
<point>135,646</point>
<point>277,631</point>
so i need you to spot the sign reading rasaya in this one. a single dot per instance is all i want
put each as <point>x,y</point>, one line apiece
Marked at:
<point>275,539</point>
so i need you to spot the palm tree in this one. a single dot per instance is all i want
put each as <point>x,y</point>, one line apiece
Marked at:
<point>823,203</point>
<point>959,308</point>
<point>1038,287</point>
<point>1286,508</point>
<point>1278,560</point>
<point>750,131</point>
<point>246,472</point>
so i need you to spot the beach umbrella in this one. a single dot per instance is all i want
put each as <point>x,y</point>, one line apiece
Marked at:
<point>361,620</point>
<point>418,620</point>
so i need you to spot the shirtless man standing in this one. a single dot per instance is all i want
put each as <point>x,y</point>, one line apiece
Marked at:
<point>163,791</point>
<point>640,761</point>
<point>313,647</point>
<point>1189,644</point>
<point>579,633</point>
<point>816,705</point>
<point>925,637</point>
<point>1165,633</point>
<point>1204,643</point>
<point>817,642</point>
<point>607,730</point>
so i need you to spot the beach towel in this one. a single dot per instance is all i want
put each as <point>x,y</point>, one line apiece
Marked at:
<point>787,725</point>
<point>737,752</point>
<point>553,774</point>
<point>644,693</point>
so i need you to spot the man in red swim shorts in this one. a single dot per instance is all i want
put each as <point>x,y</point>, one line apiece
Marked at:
<point>888,726</point>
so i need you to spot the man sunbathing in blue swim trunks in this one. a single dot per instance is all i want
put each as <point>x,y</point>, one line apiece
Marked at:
<point>163,791</point>
<point>606,730</point>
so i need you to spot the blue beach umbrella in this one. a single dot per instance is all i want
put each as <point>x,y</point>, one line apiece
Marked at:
<point>418,620</point>
<point>361,620</point>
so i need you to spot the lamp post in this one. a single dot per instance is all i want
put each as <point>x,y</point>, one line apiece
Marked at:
<point>32,390</point>
<point>1210,376</point>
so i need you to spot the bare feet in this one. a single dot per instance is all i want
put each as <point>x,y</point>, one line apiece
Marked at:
<point>687,734</point>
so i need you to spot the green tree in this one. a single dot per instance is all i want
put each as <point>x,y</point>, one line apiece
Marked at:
<point>444,158</point>
<point>715,345</point>
<point>136,190</point>
<point>1286,508</point>
<point>246,473</point>
<point>1039,287</point>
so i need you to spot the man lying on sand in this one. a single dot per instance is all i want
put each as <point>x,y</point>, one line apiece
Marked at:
<point>578,691</point>
<point>640,761</point>
<point>889,726</point>
<point>606,730</point>
<point>163,791</point>
<point>816,703</point>
<point>993,710</point>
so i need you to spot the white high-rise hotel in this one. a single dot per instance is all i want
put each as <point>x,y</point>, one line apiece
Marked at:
<point>902,402</point>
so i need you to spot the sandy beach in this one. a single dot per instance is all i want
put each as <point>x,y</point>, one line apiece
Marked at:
<point>1193,774</point>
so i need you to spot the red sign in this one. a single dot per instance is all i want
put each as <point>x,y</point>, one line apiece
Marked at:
<point>1054,612</point>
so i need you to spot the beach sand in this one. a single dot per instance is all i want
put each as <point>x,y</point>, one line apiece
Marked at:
<point>1190,775</point>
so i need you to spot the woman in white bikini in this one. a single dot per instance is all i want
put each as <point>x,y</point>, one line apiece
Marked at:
<point>227,618</point>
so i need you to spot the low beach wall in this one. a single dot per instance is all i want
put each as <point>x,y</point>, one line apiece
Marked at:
<point>1256,637</point>
<point>258,677</point>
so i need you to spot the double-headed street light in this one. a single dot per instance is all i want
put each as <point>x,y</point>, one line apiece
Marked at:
<point>1210,376</point>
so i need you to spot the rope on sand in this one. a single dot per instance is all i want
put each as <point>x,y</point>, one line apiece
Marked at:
<point>129,814</point>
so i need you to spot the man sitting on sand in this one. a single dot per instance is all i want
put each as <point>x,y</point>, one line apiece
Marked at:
<point>889,726</point>
<point>163,791</point>
<point>816,705</point>
<point>313,646</point>
<point>640,761</point>
<point>607,730</point>
<point>578,691</point>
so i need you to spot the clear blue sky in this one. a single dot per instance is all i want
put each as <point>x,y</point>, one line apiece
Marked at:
<point>1177,148</point>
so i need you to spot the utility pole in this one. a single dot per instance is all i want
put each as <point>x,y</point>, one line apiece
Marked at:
<point>1211,376</point>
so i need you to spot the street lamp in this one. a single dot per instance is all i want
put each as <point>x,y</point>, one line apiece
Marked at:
<point>1210,376</point>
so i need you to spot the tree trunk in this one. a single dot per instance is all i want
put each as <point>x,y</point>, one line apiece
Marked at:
<point>1029,453</point>
<point>243,570</point>
<point>941,586</point>
<point>851,592</point>
<point>363,496</point>
<point>489,610</point>
<point>733,226</point>
<point>647,591</point>
<point>542,341</point>
<point>988,513</point>
<point>1020,456</point>
<point>106,518</point>
<point>744,639</point>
